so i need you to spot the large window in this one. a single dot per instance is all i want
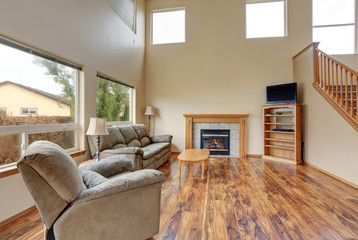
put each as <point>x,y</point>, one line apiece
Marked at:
<point>265,18</point>
<point>38,94</point>
<point>168,26</point>
<point>334,25</point>
<point>114,100</point>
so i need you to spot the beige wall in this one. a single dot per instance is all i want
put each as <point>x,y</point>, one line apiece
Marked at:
<point>330,143</point>
<point>87,32</point>
<point>9,98</point>
<point>350,60</point>
<point>218,70</point>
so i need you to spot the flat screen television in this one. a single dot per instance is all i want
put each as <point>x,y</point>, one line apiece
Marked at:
<point>283,93</point>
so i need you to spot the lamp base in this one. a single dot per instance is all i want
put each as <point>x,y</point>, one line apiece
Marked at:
<point>98,151</point>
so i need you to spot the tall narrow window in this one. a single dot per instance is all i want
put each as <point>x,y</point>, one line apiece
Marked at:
<point>114,100</point>
<point>168,26</point>
<point>38,92</point>
<point>265,18</point>
<point>334,25</point>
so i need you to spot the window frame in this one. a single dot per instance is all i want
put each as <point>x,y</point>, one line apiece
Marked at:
<point>285,18</point>
<point>355,40</point>
<point>132,102</point>
<point>25,130</point>
<point>166,10</point>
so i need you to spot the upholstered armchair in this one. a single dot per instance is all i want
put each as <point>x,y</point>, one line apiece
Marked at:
<point>102,200</point>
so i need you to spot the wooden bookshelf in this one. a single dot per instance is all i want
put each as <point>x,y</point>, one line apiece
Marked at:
<point>282,133</point>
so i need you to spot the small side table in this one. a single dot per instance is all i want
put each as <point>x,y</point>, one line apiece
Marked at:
<point>194,156</point>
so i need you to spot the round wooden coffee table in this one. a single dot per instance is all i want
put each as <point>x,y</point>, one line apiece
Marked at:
<point>194,156</point>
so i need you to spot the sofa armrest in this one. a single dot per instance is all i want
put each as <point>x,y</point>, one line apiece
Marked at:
<point>112,165</point>
<point>121,184</point>
<point>161,138</point>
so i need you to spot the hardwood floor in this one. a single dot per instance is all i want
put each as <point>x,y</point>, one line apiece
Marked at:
<point>242,199</point>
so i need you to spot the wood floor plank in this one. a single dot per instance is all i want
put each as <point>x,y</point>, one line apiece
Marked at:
<point>241,199</point>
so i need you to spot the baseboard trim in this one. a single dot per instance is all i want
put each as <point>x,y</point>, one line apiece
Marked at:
<point>254,155</point>
<point>247,155</point>
<point>331,175</point>
<point>20,214</point>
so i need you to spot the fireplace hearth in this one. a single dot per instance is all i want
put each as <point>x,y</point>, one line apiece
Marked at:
<point>215,140</point>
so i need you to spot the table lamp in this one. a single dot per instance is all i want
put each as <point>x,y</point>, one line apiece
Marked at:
<point>97,127</point>
<point>149,112</point>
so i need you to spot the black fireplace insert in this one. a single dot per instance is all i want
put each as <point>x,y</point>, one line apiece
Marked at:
<point>215,140</point>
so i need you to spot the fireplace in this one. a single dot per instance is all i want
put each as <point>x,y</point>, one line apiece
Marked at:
<point>215,140</point>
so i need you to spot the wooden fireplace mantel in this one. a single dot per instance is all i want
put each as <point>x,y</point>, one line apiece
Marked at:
<point>216,118</point>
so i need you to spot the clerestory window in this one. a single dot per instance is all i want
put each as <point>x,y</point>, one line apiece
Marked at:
<point>334,26</point>
<point>266,18</point>
<point>168,26</point>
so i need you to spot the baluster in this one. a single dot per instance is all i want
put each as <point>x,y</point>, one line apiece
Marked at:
<point>341,90</point>
<point>321,67</point>
<point>352,105</point>
<point>317,68</point>
<point>356,84</point>
<point>328,76</point>
<point>325,79</point>
<point>336,87</point>
<point>346,87</point>
<point>332,86</point>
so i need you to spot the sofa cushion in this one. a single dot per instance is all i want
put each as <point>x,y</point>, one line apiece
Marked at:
<point>141,130</point>
<point>142,133</point>
<point>109,166</point>
<point>120,145</point>
<point>145,141</point>
<point>134,143</point>
<point>154,148</point>
<point>128,134</point>
<point>108,141</point>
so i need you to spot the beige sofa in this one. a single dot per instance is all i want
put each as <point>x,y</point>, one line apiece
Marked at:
<point>102,200</point>
<point>150,152</point>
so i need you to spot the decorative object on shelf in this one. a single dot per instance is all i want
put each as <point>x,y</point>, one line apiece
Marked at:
<point>149,111</point>
<point>97,127</point>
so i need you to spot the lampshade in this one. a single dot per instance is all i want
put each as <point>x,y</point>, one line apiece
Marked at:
<point>97,126</point>
<point>149,111</point>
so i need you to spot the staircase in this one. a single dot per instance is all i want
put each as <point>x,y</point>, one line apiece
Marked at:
<point>337,83</point>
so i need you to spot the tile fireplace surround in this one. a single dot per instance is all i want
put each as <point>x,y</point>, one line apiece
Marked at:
<point>240,119</point>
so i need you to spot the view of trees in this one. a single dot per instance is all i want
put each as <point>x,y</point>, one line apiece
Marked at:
<point>113,104</point>
<point>63,76</point>
<point>113,101</point>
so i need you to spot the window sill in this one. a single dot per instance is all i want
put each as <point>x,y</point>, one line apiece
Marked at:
<point>12,170</point>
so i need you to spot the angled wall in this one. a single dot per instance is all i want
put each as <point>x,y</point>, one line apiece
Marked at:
<point>330,143</point>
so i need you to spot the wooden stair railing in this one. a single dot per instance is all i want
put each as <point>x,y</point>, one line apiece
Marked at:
<point>337,83</point>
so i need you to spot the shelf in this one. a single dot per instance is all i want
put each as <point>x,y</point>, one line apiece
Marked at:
<point>282,133</point>
<point>279,159</point>
<point>286,124</point>
<point>281,147</point>
<point>280,140</point>
<point>279,115</point>
<point>270,131</point>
